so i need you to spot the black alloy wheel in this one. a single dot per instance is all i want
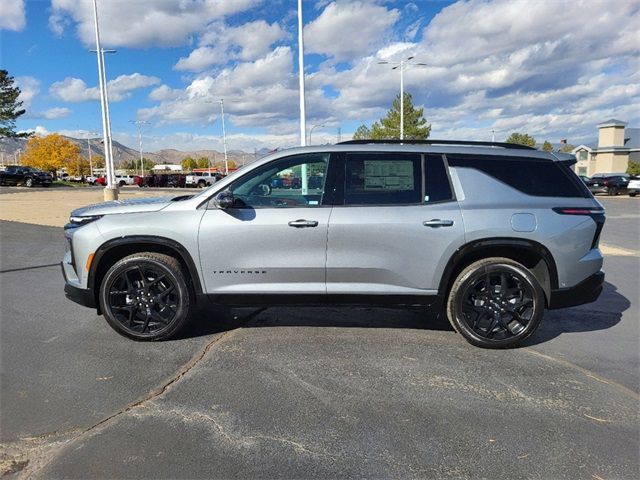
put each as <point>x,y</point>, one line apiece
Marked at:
<point>495,303</point>
<point>145,296</point>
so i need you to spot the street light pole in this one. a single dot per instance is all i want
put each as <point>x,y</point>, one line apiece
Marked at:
<point>110,192</point>
<point>311,131</point>
<point>401,64</point>
<point>90,162</point>
<point>401,99</point>
<point>139,123</point>
<point>303,120</point>
<point>224,139</point>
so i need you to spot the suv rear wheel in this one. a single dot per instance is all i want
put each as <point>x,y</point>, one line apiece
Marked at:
<point>495,303</point>
<point>145,297</point>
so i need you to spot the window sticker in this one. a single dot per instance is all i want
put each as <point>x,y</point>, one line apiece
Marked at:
<point>396,175</point>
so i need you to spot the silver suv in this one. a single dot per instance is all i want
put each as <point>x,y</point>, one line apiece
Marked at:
<point>491,233</point>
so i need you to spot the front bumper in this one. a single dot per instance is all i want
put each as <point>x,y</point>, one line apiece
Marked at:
<point>82,296</point>
<point>586,291</point>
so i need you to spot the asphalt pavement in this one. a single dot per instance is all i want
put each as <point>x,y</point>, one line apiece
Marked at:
<point>314,392</point>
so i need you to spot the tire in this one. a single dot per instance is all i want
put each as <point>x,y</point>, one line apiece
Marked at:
<point>136,291</point>
<point>28,182</point>
<point>492,318</point>
<point>122,183</point>
<point>633,194</point>
<point>612,191</point>
<point>201,184</point>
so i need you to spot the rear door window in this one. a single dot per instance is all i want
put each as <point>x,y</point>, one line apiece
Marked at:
<point>383,179</point>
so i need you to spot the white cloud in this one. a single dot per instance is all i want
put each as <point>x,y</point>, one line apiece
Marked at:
<point>345,30</point>
<point>163,92</point>
<point>138,24</point>
<point>76,90</point>
<point>492,66</point>
<point>220,43</point>
<point>255,93</point>
<point>55,113</point>
<point>12,15</point>
<point>29,88</point>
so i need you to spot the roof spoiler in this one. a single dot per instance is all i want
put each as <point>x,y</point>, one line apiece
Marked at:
<point>567,159</point>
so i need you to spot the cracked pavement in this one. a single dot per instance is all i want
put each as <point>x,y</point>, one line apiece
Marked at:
<point>314,392</point>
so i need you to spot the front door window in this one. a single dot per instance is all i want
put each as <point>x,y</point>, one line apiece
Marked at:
<point>297,181</point>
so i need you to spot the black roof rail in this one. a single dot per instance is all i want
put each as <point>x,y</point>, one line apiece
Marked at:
<point>438,142</point>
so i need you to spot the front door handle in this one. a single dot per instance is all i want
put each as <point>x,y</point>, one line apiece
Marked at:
<point>436,222</point>
<point>303,223</point>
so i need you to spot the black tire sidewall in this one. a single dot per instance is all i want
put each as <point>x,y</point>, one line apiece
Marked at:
<point>484,266</point>
<point>176,277</point>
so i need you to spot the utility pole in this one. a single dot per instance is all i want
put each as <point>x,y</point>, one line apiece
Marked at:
<point>339,134</point>
<point>401,64</point>
<point>139,123</point>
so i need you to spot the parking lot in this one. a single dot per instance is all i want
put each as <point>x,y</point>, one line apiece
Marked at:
<point>308,393</point>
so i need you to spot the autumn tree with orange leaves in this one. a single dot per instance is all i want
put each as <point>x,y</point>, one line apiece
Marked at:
<point>52,153</point>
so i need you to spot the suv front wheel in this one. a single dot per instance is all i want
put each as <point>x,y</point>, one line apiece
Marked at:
<point>495,303</point>
<point>145,297</point>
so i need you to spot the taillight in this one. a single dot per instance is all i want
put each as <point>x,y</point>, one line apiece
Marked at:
<point>606,182</point>
<point>578,211</point>
<point>597,214</point>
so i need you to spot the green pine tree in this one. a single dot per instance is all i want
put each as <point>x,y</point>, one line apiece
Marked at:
<point>9,107</point>
<point>415,125</point>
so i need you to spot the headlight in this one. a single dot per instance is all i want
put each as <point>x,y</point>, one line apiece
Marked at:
<point>75,222</point>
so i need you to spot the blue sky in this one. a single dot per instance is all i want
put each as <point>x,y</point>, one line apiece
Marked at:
<point>551,68</point>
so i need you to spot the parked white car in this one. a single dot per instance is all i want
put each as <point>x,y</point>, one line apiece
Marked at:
<point>634,186</point>
<point>200,179</point>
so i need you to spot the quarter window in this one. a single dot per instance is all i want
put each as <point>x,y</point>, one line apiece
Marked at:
<point>536,177</point>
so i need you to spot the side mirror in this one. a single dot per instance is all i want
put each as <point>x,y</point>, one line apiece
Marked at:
<point>225,200</point>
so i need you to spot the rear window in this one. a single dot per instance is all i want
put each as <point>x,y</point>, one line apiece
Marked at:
<point>540,178</point>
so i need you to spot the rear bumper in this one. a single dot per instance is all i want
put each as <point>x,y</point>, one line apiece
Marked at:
<point>586,291</point>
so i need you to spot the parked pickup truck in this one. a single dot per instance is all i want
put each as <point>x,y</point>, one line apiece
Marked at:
<point>201,179</point>
<point>22,175</point>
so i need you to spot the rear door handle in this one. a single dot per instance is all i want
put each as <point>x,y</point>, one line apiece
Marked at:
<point>436,222</point>
<point>303,223</point>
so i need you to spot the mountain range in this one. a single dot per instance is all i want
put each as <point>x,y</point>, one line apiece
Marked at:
<point>11,148</point>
